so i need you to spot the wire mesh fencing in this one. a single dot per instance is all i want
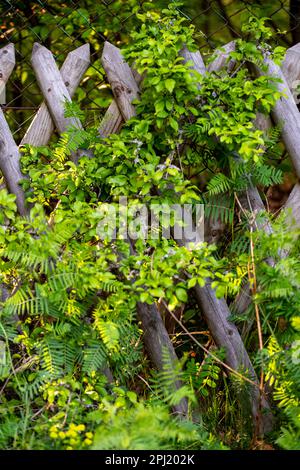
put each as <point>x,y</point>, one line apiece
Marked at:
<point>220,21</point>
<point>64,26</point>
<point>61,27</point>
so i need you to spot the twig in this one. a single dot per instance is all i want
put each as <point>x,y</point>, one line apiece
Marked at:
<point>253,285</point>
<point>208,352</point>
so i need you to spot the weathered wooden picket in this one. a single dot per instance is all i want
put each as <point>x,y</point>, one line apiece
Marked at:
<point>59,85</point>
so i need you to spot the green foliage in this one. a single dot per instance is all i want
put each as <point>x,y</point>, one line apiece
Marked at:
<point>149,427</point>
<point>75,375</point>
<point>278,302</point>
<point>203,377</point>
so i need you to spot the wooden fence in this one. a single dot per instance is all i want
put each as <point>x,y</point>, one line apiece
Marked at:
<point>59,85</point>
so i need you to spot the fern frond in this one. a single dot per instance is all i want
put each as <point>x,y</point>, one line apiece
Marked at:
<point>220,208</point>
<point>57,356</point>
<point>33,388</point>
<point>94,357</point>
<point>219,184</point>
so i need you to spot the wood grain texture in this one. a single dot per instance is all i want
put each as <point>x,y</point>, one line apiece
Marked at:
<point>262,122</point>
<point>251,201</point>
<point>194,59</point>
<point>291,66</point>
<point>293,203</point>
<point>111,122</point>
<point>121,79</point>
<point>222,56</point>
<point>285,113</point>
<point>113,119</point>
<point>7,62</point>
<point>10,164</point>
<point>72,71</point>
<point>291,73</point>
<point>157,341</point>
<point>52,86</point>
<point>9,152</point>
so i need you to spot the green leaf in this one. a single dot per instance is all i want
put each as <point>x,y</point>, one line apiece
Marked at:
<point>181,294</point>
<point>170,84</point>
<point>192,282</point>
<point>173,124</point>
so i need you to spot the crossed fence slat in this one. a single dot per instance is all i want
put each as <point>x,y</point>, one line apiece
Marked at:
<point>41,128</point>
<point>7,62</point>
<point>9,152</point>
<point>72,71</point>
<point>53,87</point>
<point>121,79</point>
<point>113,119</point>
